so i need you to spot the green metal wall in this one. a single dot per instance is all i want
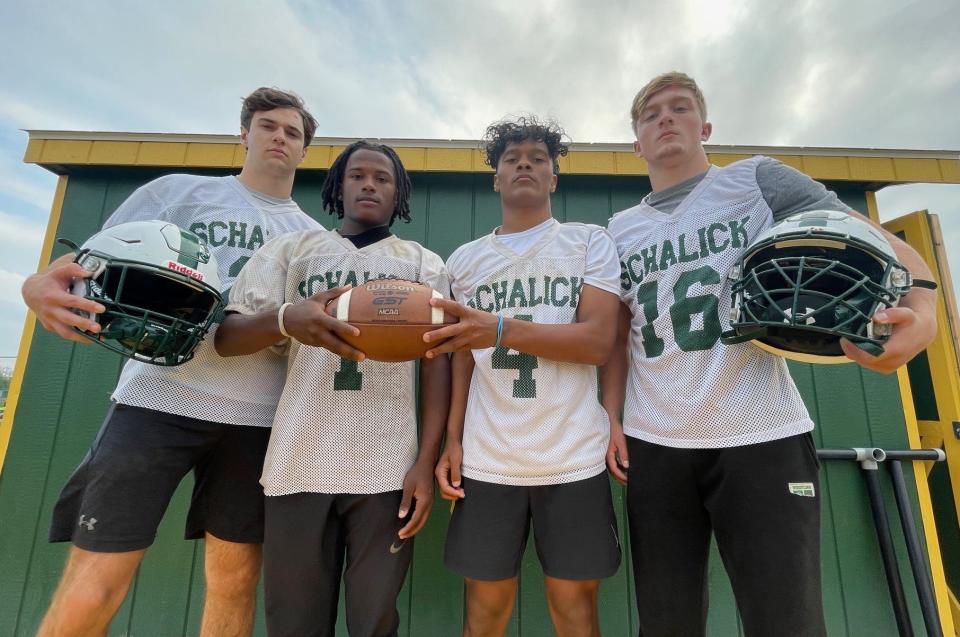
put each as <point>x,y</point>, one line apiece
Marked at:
<point>66,392</point>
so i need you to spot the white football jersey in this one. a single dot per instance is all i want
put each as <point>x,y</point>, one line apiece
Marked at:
<point>530,420</point>
<point>235,222</point>
<point>341,426</point>
<point>684,387</point>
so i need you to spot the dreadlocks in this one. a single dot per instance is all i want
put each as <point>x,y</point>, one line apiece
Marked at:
<point>333,185</point>
<point>504,132</point>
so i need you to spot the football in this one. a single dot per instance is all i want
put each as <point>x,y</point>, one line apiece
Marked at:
<point>392,316</point>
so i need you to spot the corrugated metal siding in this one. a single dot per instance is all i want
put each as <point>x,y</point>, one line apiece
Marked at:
<point>66,393</point>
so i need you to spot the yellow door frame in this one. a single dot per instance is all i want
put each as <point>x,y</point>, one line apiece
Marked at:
<point>921,231</point>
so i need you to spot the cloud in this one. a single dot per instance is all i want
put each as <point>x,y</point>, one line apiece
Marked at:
<point>939,199</point>
<point>20,242</point>
<point>10,283</point>
<point>12,314</point>
<point>847,74</point>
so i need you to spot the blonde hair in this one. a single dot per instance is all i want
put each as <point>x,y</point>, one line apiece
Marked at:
<point>662,81</point>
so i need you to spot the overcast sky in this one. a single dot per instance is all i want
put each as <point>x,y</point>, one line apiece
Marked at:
<point>799,73</point>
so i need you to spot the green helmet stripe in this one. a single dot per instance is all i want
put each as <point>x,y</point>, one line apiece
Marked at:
<point>189,252</point>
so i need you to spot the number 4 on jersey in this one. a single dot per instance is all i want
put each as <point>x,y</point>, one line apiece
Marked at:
<point>525,386</point>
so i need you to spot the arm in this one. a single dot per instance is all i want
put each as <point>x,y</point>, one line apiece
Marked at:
<point>306,321</point>
<point>434,404</point>
<point>613,379</point>
<point>48,294</point>
<point>588,340</point>
<point>914,320</point>
<point>448,468</point>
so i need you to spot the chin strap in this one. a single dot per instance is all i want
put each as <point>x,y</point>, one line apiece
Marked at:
<point>67,242</point>
<point>925,284</point>
<point>874,349</point>
<point>732,337</point>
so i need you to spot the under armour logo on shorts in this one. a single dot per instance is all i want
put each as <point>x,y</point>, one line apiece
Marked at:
<point>87,523</point>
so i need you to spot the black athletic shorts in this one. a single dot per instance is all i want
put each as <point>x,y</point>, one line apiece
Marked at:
<point>311,538</point>
<point>574,529</point>
<point>115,499</point>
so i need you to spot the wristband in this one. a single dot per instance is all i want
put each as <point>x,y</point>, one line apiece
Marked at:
<point>499,329</point>
<point>283,308</point>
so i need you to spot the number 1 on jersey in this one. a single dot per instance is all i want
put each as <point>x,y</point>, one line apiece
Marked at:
<point>525,386</point>
<point>348,377</point>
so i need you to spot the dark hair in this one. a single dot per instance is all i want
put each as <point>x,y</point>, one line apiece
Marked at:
<point>267,99</point>
<point>333,184</point>
<point>527,127</point>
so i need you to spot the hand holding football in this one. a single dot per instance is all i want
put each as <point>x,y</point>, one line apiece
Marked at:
<point>392,316</point>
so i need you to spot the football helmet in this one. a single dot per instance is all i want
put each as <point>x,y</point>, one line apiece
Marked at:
<point>811,279</point>
<point>160,286</point>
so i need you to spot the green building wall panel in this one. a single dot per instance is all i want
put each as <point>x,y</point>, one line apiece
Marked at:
<point>66,394</point>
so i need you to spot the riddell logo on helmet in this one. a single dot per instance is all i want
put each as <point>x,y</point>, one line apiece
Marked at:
<point>187,271</point>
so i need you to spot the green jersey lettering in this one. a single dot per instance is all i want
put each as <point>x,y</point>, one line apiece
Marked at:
<point>348,377</point>
<point>715,247</point>
<point>256,238</point>
<point>238,234</point>
<point>532,299</point>
<point>684,256</point>
<point>517,296</point>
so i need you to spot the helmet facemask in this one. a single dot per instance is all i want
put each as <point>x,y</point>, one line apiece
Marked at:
<point>159,285</point>
<point>151,315</point>
<point>798,293</point>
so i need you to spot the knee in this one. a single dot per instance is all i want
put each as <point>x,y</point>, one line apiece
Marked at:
<point>574,603</point>
<point>93,596</point>
<point>235,576</point>
<point>95,583</point>
<point>489,601</point>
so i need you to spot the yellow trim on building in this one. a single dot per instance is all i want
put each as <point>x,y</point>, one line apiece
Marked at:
<point>29,325</point>
<point>58,149</point>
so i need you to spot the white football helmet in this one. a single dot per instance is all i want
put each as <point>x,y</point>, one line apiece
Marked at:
<point>159,284</point>
<point>811,279</point>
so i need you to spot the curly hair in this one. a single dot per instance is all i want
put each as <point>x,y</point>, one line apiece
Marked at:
<point>333,184</point>
<point>515,131</point>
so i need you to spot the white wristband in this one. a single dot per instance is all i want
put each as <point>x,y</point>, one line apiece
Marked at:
<point>283,308</point>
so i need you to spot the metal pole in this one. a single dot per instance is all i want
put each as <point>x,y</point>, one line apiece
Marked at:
<point>869,459</point>
<point>887,552</point>
<point>921,574</point>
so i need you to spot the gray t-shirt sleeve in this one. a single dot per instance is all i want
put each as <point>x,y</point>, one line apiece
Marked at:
<point>788,191</point>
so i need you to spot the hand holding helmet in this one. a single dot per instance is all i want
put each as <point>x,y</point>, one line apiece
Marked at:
<point>48,294</point>
<point>158,286</point>
<point>814,280</point>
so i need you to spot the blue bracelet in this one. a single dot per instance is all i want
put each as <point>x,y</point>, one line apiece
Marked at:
<point>499,329</point>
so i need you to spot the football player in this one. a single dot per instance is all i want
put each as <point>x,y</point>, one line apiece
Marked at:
<point>526,436</point>
<point>209,415</point>
<point>343,476</point>
<point>712,434</point>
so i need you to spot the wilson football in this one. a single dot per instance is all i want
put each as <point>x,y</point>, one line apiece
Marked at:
<point>392,316</point>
